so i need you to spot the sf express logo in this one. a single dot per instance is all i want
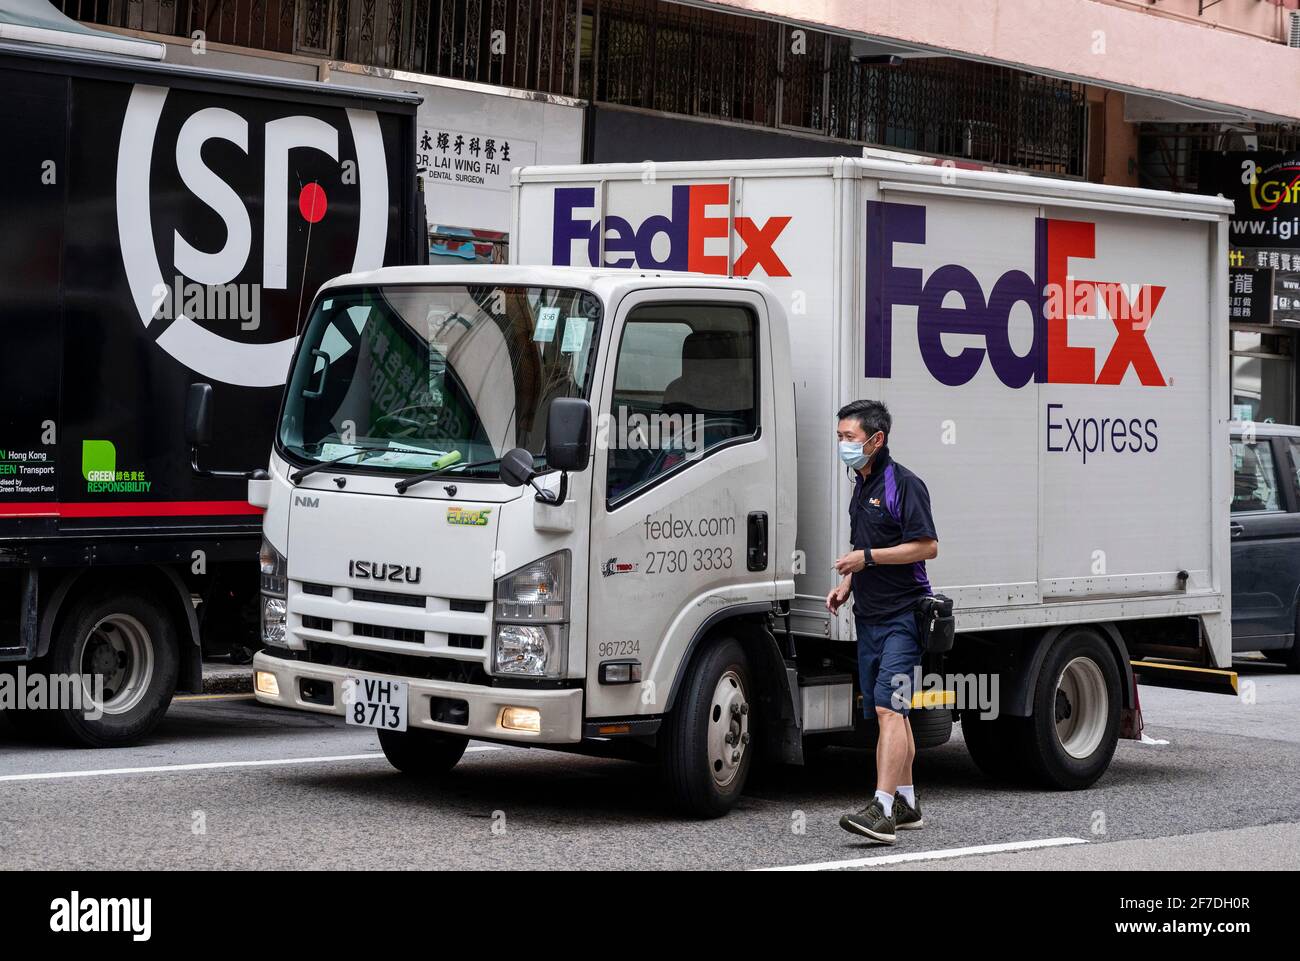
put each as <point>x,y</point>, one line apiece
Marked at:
<point>671,241</point>
<point>1053,296</point>
<point>262,198</point>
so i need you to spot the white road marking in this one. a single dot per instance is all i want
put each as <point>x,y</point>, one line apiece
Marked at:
<point>206,766</point>
<point>936,855</point>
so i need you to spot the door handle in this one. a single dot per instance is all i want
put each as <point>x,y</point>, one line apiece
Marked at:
<point>756,541</point>
<point>1235,529</point>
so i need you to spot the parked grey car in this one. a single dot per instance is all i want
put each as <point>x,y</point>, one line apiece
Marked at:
<point>1265,529</point>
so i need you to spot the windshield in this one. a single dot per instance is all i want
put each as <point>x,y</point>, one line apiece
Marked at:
<point>408,378</point>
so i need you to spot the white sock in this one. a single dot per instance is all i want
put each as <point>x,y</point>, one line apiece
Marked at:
<point>909,794</point>
<point>886,801</point>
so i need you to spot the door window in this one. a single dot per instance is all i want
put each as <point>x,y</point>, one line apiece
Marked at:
<point>684,386</point>
<point>1254,477</point>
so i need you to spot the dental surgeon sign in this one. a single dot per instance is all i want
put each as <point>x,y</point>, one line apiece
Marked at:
<point>231,212</point>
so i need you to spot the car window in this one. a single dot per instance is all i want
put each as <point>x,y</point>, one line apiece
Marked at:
<point>684,385</point>
<point>1292,467</point>
<point>1254,475</point>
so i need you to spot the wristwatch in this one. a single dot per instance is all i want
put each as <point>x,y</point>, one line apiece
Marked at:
<point>866,556</point>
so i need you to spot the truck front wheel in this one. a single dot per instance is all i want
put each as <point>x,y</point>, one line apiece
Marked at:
<point>1071,736</point>
<point>422,754</point>
<point>704,744</point>
<point>122,651</point>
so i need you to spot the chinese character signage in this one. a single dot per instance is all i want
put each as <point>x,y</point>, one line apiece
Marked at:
<point>461,158</point>
<point>1265,187</point>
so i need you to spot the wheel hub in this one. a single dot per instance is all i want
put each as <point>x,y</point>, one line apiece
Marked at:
<point>1082,707</point>
<point>728,728</point>
<point>118,654</point>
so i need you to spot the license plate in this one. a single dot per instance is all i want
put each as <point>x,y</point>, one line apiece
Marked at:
<point>371,702</point>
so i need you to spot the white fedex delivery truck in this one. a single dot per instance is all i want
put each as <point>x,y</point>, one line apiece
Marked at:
<point>594,503</point>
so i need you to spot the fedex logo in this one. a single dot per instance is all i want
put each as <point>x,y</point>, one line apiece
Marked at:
<point>1054,297</point>
<point>687,226</point>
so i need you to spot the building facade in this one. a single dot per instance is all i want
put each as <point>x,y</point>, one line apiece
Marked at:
<point>1179,95</point>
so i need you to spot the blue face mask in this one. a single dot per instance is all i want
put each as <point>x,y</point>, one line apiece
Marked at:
<point>852,455</point>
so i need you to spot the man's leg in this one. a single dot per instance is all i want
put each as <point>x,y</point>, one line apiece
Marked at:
<point>900,655</point>
<point>905,774</point>
<point>893,760</point>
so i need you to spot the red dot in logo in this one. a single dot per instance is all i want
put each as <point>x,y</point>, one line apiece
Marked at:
<point>311,203</point>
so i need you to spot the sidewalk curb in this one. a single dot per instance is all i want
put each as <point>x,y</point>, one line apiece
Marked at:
<point>227,679</point>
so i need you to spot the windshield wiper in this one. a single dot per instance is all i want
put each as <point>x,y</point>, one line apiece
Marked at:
<point>406,484</point>
<point>298,475</point>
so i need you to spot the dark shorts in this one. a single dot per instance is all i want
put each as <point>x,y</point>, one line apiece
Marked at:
<point>888,653</point>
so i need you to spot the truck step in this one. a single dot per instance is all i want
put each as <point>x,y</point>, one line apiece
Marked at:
<point>1185,677</point>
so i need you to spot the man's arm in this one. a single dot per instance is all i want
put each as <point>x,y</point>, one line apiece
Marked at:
<point>924,549</point>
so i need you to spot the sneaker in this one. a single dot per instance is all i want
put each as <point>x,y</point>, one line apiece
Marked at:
<point>870,822</point>
<point>906,817</point>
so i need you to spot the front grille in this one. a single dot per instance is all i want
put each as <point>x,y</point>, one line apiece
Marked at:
<point>472,641</point>
<point>403,665</point>
<point>314,623</point>
<point>388,597</point>
<point>384,633</point>
<point>469,607</point>
<point>320,590</point>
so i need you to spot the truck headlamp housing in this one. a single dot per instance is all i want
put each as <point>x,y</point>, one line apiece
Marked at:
<point>275,570</point>
<point>275,583</point>
<point>530,624</point>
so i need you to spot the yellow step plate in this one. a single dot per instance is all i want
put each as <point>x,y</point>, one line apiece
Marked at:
<point>1185,677</point>
<point>925,699</point>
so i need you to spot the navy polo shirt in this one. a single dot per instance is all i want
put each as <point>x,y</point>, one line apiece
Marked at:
<point>890,507</point>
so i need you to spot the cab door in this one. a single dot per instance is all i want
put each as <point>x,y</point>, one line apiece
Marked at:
<point>684,485</point>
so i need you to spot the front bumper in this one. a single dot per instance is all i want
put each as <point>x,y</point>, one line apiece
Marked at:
<point>561,710</point>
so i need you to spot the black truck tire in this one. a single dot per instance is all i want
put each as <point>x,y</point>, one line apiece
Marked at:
<point>1069,739</point>
<point>422,754</point>
<point>993,744</point>
<point>128,640</point>
<point>704,744</point>
<point>931,726</point>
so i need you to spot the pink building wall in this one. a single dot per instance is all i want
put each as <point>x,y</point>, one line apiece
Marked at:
<point>1224,59</point>
<point>1265,19</point>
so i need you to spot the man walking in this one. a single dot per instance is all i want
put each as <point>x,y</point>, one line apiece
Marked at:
<point>893,536</point>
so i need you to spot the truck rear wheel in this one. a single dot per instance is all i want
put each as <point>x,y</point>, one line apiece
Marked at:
<point>127,643</point>
<point>422,754</point>
<point>992,743</point>
<point>704,743</point>
<point>1070,737</point>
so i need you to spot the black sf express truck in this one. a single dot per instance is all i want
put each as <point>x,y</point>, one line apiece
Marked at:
<point>160,226</point>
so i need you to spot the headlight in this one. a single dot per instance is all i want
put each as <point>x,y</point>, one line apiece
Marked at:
<point>275,570</point>
<point>273,620</point>
<point>275,581</point>
<point>530,627</point>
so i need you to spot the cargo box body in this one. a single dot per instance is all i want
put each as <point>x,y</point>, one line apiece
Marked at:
<point>163,226</point>
<point>1054,355</point>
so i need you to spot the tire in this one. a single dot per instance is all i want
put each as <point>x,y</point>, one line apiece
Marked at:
<point>930,726</point>
<point>1291,658</point>
<point>422,754</point>
<point>704,746</point>
<point>130,642</point>
<point>992,743</point>
<point>1069,739</point>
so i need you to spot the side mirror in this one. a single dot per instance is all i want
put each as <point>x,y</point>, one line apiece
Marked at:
<point>198,431</point>
<point>198,415</point>
<point>568,434</point>
<point>517,467</point>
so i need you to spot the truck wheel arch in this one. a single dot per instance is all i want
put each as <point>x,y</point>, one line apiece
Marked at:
<point>171,591</point>
<point>1018,700</point>
<point>738,621</point>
